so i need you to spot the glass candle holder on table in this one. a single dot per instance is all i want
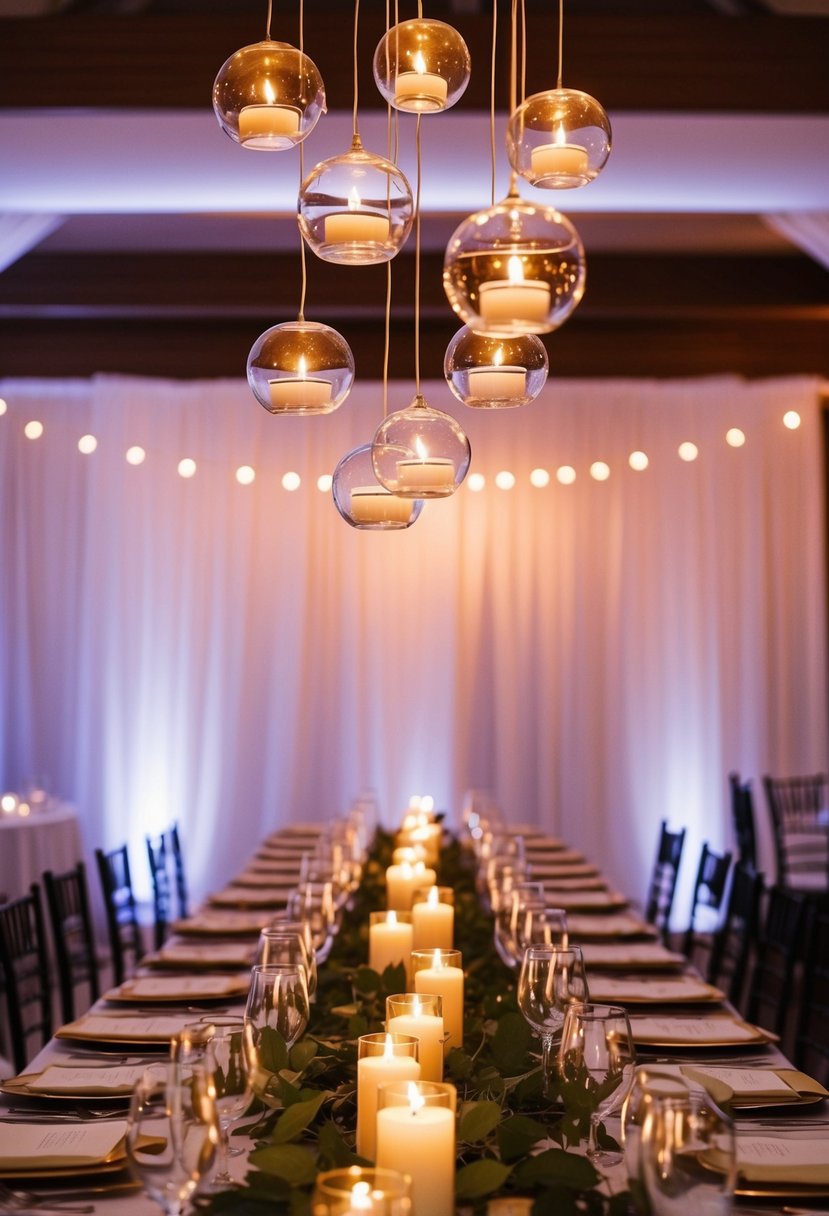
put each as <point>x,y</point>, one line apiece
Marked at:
<point>421,1017</point>
<point>416,1132</point>
<point>441,972</point>
<point>381,1059</point>
<point>355,1189</point>
<point>390,939</point>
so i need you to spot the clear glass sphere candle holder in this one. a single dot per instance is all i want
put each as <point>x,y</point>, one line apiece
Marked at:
<point>300,367</point>
<point>489,373</point>
<point>420,452</point>
<point>559,139</point>
<point>268,96</point>
<point>363,502</point>
<point>422,66</point>
<point>356,1188</point>
<point>355,209</point>
<point>515,268</point>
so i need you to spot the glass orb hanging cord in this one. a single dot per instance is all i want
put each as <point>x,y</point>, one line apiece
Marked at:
<point>268,96</point>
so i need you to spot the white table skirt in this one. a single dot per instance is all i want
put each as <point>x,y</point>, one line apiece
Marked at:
<point>47,839</point>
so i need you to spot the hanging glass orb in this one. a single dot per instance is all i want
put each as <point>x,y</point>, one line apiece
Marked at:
<point>495,373</point>
<point>515,268</point>
<point>300,367</point>
<point>559,139</point>
<point>422,66</point>
<point>363,502</point>
<point>355,208</point>
<point>268,96</point>
<point>420,452</point>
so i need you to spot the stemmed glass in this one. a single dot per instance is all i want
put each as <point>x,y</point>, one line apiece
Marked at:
<point>596,1056</point>
<point>172,1132</point>
<point>551,979</point>
<point>314,903</point>
<point>285,944</point>
<point>277,1001</point>
<point>231,1087</point>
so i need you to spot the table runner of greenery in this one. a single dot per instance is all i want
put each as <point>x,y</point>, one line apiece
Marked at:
<point>511,1141</point>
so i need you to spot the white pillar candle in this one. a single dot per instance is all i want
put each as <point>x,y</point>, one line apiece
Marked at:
<point>433,923</point>
<point>300,391</point>
<point>390,941</point>
<point>428,836</point>
<point>429,1030</point>
<point>434,474</point>
<point>268,126</point>
<point>441,977</point>
<point>361,227</point>
<point>403,880</point>
<point>559,160</point>
<point>419,1140</point>
<point>372,1072</point>
<point>420,90</point>
<point>410,853</point>
<point>514,300</point>
<point>374,505</point>
<point>497,383</point>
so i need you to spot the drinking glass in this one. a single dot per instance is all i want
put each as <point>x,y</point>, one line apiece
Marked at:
<point>551,979</point>
<point>540,926</point>
<point>314,902</point>
<point>687,1158</point>
<point>278,945</point>
<point>172,1133</point>
<point>596,1056</point>
<point>277,1000</point>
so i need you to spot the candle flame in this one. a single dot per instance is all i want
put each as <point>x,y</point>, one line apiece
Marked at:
<point>388,1048</point>
<point>270,95</point>
<point>416,1099</point>
<point>354,200</point>
<point>419,63</point>
<point>498,358</point>
<point>408,869</point>
<point>422,450</point>
<point>515,271</point>
<point>437,961</point>
<point>560,135</point>
<point>391,918</point>
<point>433,897</point>
<point>361,1197</point>
<point>302,368</point>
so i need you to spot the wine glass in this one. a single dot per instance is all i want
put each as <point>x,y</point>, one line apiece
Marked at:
<point>314,903</point>
<point>596,1057</point>
<point>277,1001</point>
<point>686,1157</point>
<point>228,1073</point>
<point>519,896</point>
<point>551,978</point>
<point>280,945</point>
<point>172,1132</point>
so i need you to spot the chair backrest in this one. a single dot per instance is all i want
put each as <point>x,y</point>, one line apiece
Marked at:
<point>162,892</point>
<point>182,901</point>
<point>709,890</point>
<point>67,901</point>
<point>24,965</point>
<point>663,878</point>
<point>811,1052</point>
<point>123,929</point>
<point>800,824</point>
<point>742,818</point>
<point>771,988</point>
<point>737,936</point>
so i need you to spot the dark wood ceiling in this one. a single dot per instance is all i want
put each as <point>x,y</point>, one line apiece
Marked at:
<point>196,313</point>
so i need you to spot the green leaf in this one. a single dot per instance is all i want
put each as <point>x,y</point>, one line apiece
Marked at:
<point>480,1178</point>
<point>478,1120</point>
<point>272,1050</point>
<point>459,1064</point>
<point>516,1136</point>
<point>366,981</point>
<point>394,978</point>
<point>297,1118</point>
<point>334,1152</point>
<point>510,1044</point>
<point>357,1025</point>
<point>302,1053</point>
<point>555,1166</point>
<point>288,1161</point>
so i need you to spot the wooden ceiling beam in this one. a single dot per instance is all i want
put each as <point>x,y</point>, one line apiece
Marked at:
<point>684,62</point>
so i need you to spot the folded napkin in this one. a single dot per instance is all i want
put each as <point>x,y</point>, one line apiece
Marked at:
<point>652,990</point>
<point>609,924</point>
<point>767,1159</point>
<point>40,1146</point>
<point>755,1086</point>
<point>236,897</point>
<point>558,897</point>
<point>59,1079</point>
<point>112,1029</point>
<point>226,954</point>
<point>631,955</point>
<point>171,988</point>
<point>216,923</point>
<point>713,1031</point>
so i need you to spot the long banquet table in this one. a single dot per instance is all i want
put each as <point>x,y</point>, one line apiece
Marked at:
<point>625,965</point>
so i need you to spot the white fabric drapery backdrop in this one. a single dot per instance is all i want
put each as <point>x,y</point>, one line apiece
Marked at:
<point>598,655</point>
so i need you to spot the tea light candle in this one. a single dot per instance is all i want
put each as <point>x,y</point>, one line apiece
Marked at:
<point>372,1072</point>
<point>420,1140</point>
<point>356,224</point>
<point>390,940</point>
<point>403,880</point>
<point>420,90</point>
<point>435,971</point>
<point>421,1018</point>
<point>433,923</point>
<point>559,160</point>
<point>514,299</point>
<point>300,391</point>
<point>434,474</point>
<point>268,126</point>
<point>374,505</point>
<point>497,383</point>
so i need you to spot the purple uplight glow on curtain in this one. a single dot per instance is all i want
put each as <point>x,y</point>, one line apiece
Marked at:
<point>598,655</point>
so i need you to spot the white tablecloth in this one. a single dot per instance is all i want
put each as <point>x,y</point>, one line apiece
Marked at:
<point>47,839</point>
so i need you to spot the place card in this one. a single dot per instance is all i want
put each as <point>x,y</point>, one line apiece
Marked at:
<point>110,1028</point>
<point>191,987</point>
<point>652,991</point>
<point>767,1159</point>
<point>62,1079</point>
<point>755,1086</point>
<point>631,955</point>
<point>718,1030</point>
<point>30,1146</point>
<point>218,954</point>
